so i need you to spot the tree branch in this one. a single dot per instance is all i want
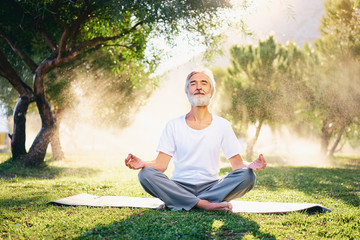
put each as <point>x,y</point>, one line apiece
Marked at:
<point>46,37</point>
<point>117,45</point>
<point>50,63</point>
<point>8,72</point>
<point>68,30</point>
<point>37,24</point>
<point>64,37</point>
<point>75,27</point>
<point>98,40</point>
<point>13,44</point>
<point>338,138</point>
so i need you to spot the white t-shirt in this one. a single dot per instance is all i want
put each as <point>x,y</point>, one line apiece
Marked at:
<point>196,153</point>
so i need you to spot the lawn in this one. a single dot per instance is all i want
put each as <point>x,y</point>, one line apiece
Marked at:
<point>26,214</point>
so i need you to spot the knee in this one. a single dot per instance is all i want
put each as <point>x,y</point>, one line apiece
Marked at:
<point>247,176</point>
<point>145,174</point>
<point>251,177</point>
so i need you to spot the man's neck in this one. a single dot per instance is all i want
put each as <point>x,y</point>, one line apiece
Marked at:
<point>199,113</point>
<point>199,117</point>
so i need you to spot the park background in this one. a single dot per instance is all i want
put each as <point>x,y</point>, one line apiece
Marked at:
<point>94,157</point>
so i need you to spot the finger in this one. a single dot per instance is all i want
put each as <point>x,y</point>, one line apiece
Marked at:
<point>263,159</point>
<point>127,158</point>
<point>230,207</point>
<point>130,164</point>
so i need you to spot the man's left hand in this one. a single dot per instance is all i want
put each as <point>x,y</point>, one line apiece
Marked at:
<point>258,164</point>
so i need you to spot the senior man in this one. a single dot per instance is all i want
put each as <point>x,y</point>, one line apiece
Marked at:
<point>195,141</point>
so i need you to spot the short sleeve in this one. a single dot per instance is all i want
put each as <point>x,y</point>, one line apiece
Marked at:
<point>166,142</point>
<point>230,144</point>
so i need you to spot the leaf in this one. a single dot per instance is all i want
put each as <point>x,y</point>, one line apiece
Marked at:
<point>356,3</point>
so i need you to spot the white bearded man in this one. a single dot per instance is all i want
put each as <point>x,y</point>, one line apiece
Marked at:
<point>195,141</point>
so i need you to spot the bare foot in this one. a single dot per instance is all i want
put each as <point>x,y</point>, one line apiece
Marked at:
<point>210,206</point>
<point>163,207</point>
<point>258,164</point>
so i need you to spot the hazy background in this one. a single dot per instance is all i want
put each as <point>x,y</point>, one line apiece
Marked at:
<point>293,20</point>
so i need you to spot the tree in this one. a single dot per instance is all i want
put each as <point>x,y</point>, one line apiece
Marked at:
<point>45,35</point>
<point>333,73</point>
<point>262,83</point>
<point>111,99</point>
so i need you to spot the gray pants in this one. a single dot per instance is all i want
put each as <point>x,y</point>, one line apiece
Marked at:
<point>180,195</point>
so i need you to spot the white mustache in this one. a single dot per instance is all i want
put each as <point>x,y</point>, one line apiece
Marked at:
<point>199,91</point>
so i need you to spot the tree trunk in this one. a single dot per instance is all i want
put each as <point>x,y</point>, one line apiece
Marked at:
<point>18,137</point>
<point>251,144</point>
<point>26,96</point>
<point>326,133</point>
<point>336,143</point>
<point>37,152</point>
<point>56,148</point>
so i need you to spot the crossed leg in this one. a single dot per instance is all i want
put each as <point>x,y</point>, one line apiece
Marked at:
<point>213,196</point>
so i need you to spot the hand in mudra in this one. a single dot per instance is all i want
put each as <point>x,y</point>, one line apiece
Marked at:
<point>258,164</point>
<point>134,162</point>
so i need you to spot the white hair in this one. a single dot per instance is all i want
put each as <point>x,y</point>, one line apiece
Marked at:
<point>205,71</point>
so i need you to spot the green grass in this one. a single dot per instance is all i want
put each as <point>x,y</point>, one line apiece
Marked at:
<point>26,214</point>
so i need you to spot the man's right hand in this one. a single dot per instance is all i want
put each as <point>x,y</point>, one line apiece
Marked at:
<point>134,162</point>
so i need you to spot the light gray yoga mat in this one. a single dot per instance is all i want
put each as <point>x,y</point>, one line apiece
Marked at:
<point>85,199</point>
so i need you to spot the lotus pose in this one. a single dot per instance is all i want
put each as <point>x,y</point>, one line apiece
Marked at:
<point>195,141</point>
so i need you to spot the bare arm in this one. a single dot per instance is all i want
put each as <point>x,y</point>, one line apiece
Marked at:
<point>237,162</point>
<point>160,163</point>
<point>258,164</point>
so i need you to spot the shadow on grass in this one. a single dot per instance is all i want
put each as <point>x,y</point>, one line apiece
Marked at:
<point>338,183</point>
<point>10,169</point>
<point>24,202</point>
<point>161,224</point>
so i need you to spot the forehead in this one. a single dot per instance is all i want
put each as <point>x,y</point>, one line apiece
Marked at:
<point>199,77</point>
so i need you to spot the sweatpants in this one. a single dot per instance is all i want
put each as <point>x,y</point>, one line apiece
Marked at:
<point>184,196</point>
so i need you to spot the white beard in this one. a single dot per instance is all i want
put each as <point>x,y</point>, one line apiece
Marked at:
<point>199,100</point>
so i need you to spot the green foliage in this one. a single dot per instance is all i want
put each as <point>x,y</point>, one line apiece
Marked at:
<point>122,27</point>
<point>48,36</point>
<point>332,75</point>
<point>121,92</point>
<point>8,95</point>
<point>261,80</point>
<point>26,214</point>
<point>312,86</point>
<point>109,87</point>
<point>340,30</point>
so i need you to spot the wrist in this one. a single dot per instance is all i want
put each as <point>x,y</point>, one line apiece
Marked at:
<point>241,166</point>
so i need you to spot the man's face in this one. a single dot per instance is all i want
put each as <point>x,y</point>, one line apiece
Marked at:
<point>199,90</point>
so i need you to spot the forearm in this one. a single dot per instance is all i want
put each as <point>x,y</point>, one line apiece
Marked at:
<point>156,165</point>
<point>237,162</point>
<point>239,165</point>
<point>160,163</point>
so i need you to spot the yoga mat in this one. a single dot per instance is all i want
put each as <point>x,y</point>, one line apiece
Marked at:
<point>85,199</point>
